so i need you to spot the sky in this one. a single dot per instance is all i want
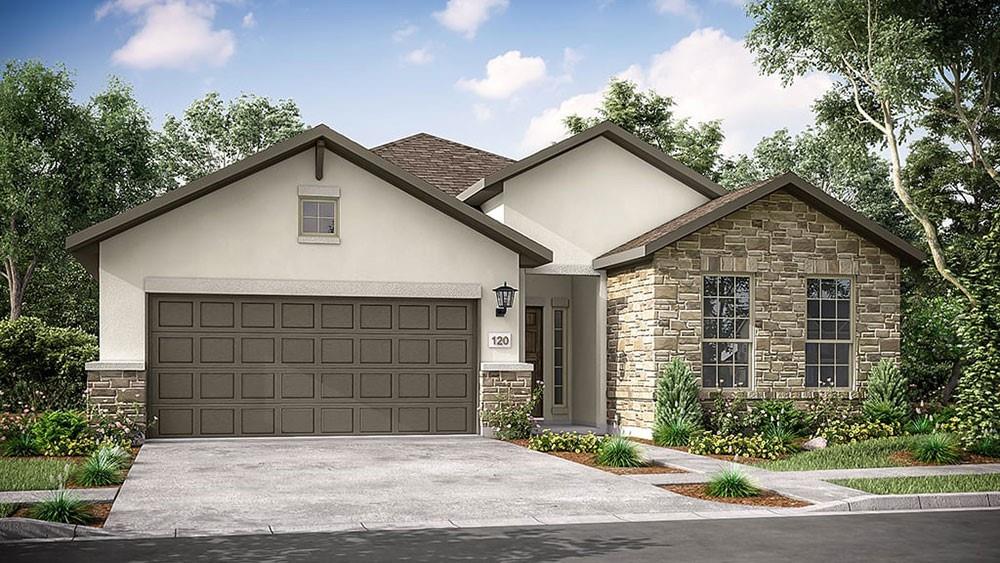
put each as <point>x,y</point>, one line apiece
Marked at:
<point>496,74</point>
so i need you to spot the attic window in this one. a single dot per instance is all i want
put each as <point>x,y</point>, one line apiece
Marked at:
<point>319,215</point>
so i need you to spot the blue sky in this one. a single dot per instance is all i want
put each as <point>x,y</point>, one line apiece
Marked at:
<point>498,74</point>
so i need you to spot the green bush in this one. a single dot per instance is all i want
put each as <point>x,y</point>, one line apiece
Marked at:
<point>729,415</point>
<point>937,448</point>
<point>62,507</point>
<point>42,367</point>
<point>989,446</point>
<point>846,432</point>
<point>62,433</point>
<point>731,483</point>
<point>512,420</point>
<point>103,467</point>
<point>921,425</point>
<point>828,408</point>
<point>776,417</point>
<point>674,433</point>
<point>676,397</point>
<point>887,397</point>
<point>619,451</point>
<point>549,441</point>
<point>20,444</point>
<point>755,446</point>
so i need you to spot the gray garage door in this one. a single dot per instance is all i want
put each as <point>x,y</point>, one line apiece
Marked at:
<point>277,366</point>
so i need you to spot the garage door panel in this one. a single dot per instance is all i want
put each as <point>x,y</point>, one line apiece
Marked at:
<point>273,366</point>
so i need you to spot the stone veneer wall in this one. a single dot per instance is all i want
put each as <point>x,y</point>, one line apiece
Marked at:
<point>496,386</point>
<point>119,391</point>
<point>655,311</point>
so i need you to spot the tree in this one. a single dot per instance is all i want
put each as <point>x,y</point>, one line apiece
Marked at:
<point>881,55</point>
<point>63,166</point>
<point>650,117</point>
<point>213,134</point>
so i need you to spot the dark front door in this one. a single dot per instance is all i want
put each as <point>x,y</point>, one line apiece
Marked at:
<point>533,350</point>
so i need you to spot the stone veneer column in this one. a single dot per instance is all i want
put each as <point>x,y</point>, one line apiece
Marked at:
<point>118,388</point>
<point>511,382</point>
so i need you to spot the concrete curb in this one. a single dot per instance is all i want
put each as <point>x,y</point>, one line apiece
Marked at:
<point>929,501</point>
<point>14,529</point>
<point>103,494</point>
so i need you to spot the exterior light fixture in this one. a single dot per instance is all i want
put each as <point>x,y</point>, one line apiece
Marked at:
<point>505,298</point>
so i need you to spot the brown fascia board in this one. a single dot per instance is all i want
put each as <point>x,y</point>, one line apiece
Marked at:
<point>82,244</point>
<point>816,197</point>
<point>493,184</point>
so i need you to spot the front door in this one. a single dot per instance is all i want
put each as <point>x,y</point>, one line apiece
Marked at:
<point>533,351</point>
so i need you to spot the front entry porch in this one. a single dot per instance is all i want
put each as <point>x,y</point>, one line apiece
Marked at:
<point>564,339</point>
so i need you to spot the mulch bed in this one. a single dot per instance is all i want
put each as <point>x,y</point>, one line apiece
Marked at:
<point>765,498</point>
<point>98,513</point>
<point>588,460</point>
<point>906,458</point>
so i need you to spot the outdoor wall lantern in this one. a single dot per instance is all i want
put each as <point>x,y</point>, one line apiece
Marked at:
<point>505,298</point>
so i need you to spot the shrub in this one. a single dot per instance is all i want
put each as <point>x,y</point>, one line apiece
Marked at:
<point>729,483</point>
<point>619,451</point>
<point>755,446</point>
<point>846,432</point>
<point>42,367</point>
<point>728,414</point>
<point>937,448</point>
<point>62,507</point>
<point>989,446</point>
<point>549,441</point>
<point>62,432</point>
<point>20,444</point>
<point>512,420</point>
<point>103,467</point>
<point>920,425</point>
<point>674,433</point>
<point>774,417</point>
<point>828,408</point>
<point>886,399</point>
<point>677,395</point>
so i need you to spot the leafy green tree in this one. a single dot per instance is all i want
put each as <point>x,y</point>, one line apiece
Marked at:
<point>933,352</point>
<point>650,117</point>
<point>213,134</point>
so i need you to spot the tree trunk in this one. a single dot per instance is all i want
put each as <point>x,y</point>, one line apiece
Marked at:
<point>952,384</point>
<point>16,284</point>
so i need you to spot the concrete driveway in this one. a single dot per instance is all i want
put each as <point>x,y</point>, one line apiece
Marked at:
<point>281,485</point>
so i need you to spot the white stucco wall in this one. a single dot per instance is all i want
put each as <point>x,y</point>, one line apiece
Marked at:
<point>589,200</point>
<point>248,231</point>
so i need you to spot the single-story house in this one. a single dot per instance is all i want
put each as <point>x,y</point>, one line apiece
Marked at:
<point>323,288</point>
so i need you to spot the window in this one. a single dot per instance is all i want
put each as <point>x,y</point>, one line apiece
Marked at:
<point>828,332</point>
<point>558,357</point>
<point>725,348</point>
<point>319,217</point>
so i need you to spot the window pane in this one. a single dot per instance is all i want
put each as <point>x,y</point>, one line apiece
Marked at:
<point>843,309</point>
<point>711,328</point>
<point>712,307</point>
<point>843,330</point>
<point>711,286</point>
<point>812,308</point>
<point>812,289</point>
<point>726,286</point>
<point>743,288</point>
<point>826,376</point>
<point>812,330</point>
<point>310,209</point>
<point>742,376</point>
<point>708,377</point>
<point>812,353</point>
<point>310,225</point>
<point>727,328</point>
<point>828,330</point>
<point>828,289</point>
<point>728,307</point>
<point>742,353</point>
<point>558,357</point>
<point>324,225</point>
<point>743,328</point>
<point>812,376</point>
<point>558,395</point>
<point>844,288</point>
<point>841,380</point>
<point>557,376</point>
<point>829,309</point>
<point>557,319</point>
<point>725,376</point>
<point>727,351</point>
<point>844,354</point>
<point>326,209</point>
<point>709,353</point>
<point>827,353</point>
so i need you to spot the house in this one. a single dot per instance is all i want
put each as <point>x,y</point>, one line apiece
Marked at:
<point>322,288</point>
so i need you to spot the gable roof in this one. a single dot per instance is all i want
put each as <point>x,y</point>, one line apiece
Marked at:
<point>84,245</point>
<point>644,245</point>
<point>492,184</point>
<point>452,167</point>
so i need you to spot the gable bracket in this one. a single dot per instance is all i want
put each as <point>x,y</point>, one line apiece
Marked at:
<point>320,152</point>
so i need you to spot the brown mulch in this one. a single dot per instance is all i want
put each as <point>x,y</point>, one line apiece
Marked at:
<point>588,460</point>
<point>765,498</point>
<point>98,513</point>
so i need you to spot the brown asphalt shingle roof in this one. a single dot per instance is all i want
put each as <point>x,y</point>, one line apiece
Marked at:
<point>451,167</point>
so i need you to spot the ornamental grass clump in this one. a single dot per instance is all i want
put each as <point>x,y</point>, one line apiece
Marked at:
<point>921,425</point>
<point>103,467</point>
<point>731,483</point>
<point>62,507</point>
<point>674,433</point>
<point>937,448</point>
<point>887,395</point>
<point>619,451</point>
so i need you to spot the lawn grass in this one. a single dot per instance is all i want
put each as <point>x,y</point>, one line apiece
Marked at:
<point>30,474</point>
<point>926,484</point>
<point>870,453</point>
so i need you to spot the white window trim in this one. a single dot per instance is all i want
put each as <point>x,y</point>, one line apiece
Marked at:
<point>751,341</point>
<point>852,365</point>
<point>320,194</point>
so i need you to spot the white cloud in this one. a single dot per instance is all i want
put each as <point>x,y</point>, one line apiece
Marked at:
<point>676,7</point>
<point>404,32</point>
<point>571,57</point>
<point>482,112</point>
<point>505,75</point>
<point>249,21</point>
<point>172,34</point>
<point>465,16</point>
<point>420,56</point>
<point>710,76</point>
